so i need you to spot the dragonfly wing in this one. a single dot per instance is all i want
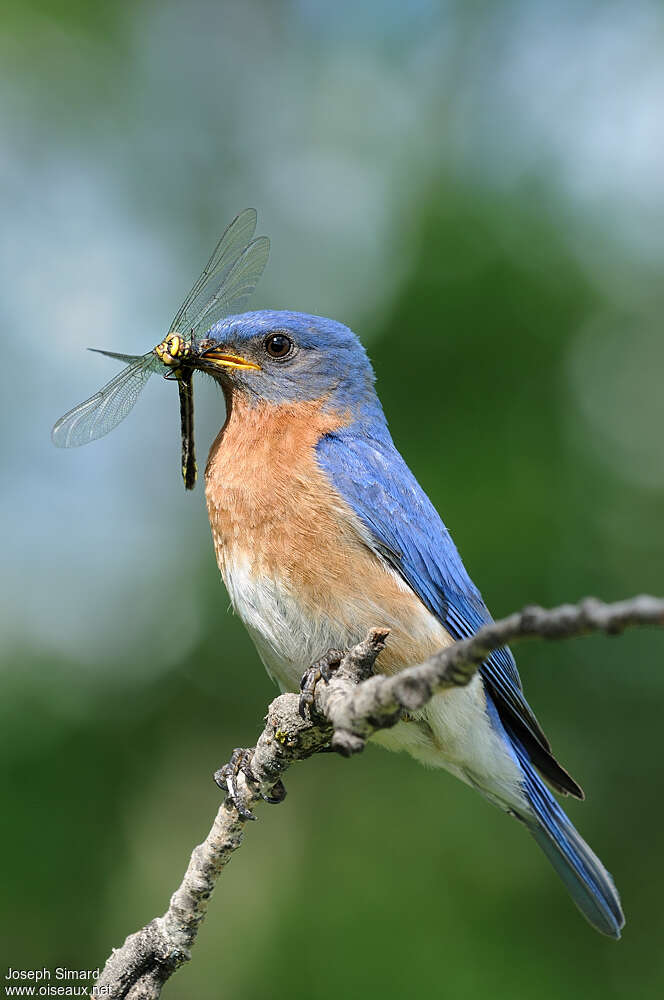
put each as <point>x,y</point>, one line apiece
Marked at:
<point>230,275</point>
<point>127,358</point>
<point>235,239</point>
<point>238,285</point>
<point>102,412</point>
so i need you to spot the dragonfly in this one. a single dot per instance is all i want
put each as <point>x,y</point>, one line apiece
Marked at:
<point>228,278</point>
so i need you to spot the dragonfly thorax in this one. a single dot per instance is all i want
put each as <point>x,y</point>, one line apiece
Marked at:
<point>173,349</point>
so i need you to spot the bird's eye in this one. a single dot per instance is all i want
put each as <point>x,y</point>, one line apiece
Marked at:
<point>278,345</point>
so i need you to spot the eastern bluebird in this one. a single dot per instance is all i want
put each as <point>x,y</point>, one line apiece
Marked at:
<point>322,532</point>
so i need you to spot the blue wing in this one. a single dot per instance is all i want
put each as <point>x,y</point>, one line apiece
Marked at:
<point>373,478</point>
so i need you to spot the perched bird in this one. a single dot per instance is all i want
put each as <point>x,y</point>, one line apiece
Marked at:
<point>322,532</point>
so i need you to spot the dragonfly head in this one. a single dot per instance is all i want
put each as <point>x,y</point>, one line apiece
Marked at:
<point>172,350</point>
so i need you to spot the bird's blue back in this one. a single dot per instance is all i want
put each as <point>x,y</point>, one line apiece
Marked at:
<point>370,474</point>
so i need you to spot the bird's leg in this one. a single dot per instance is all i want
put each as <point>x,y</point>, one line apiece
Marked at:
<point>226,778</point>
<point>321,670</point>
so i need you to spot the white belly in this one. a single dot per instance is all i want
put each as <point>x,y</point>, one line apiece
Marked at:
<point>287,639</point>
<point>453,731</point>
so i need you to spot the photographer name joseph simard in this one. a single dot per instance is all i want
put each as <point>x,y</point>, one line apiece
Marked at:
<point>44,975</point>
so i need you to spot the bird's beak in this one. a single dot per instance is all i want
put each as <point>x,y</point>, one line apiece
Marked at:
<point>226,360</point>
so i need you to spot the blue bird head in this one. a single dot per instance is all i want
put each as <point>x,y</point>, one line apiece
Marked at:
<point>288,357</point>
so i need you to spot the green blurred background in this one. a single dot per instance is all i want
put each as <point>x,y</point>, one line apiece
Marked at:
<point>477,190</point>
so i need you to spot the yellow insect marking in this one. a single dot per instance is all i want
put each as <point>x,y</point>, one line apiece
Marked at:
<point>172,349</point>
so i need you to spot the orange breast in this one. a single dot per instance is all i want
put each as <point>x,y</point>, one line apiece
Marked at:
<point>273,511</point>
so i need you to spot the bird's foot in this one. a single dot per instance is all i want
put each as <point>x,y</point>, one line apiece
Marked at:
<point>321,670</point>
<point>226,778</point>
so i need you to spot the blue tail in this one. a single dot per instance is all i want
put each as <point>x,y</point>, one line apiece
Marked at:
<point>585,877</point>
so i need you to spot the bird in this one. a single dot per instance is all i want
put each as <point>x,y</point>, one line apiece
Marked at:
<point>322,532</point>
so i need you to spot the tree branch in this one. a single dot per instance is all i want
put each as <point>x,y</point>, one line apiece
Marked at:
<point>344,713</point>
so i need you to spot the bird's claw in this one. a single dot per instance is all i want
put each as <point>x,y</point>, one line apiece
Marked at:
<point>321,670</point>
<point>226,778</point>
<point>278,794</point>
